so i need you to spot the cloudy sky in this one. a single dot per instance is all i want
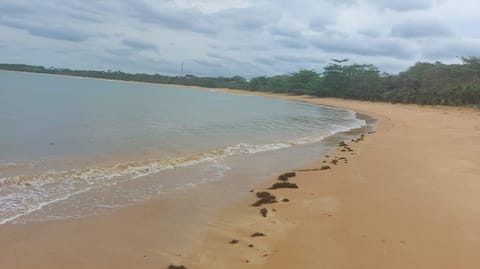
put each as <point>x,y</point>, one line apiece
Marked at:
<point>235,37</point>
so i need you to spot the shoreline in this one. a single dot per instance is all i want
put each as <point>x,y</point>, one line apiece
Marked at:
<point>69,238</point>
<point>291,142</point>
<point>302,98</point>
<point>344,217</point>
<point>393,205</point>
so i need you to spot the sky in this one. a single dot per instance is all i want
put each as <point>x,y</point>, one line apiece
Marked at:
<point>236,37</point>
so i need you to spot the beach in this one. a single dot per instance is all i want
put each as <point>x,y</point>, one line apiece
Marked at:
<point>405,199</point>
<point>404,196</point>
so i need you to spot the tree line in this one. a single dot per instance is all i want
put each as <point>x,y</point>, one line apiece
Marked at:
<point>423,83</point>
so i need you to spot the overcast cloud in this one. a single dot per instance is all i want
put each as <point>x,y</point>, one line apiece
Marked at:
<point>237,37</point>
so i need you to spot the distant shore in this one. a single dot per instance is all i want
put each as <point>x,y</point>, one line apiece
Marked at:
<point>403,196</point>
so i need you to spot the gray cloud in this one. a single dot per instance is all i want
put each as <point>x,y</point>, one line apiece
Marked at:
<point>13,9</point>
<point>292,43</point>
<point>319,24</point>
<point>138,44</point>
<point>119,51</point>
<point>244,37</point>
<point>419,29</point>
<point>403,5</point>
<point>171,17</point>
<point>83,12</point>
<point>245,19</point>
<point>59,33</point>
<point>264,60</point>
<point>452,49</point>
<point>362,46</point>
<point>300,59</point>
<point>52,32</point>
<point>284,30</point>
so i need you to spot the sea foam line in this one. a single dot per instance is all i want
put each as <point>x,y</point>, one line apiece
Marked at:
<point>102,176</point>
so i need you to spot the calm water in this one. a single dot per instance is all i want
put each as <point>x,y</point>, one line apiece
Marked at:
<point>63,138</point>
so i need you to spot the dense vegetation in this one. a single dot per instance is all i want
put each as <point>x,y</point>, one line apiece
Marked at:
<point>423,83</point>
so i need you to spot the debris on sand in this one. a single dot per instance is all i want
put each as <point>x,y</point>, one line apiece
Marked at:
<point>284,177</point>
<point>250,246</point>
<point>177,267</point>
<point>286,200</point>
<point>359,139</point>
<point>257,234</point>
<point>290,174</point>
<point>263,194</point>
<point>233,241</point>
<point>335,161</point>
<point>264,212</point>
<point>266,198</point>
<point>284,185</point>
<point>325,167</point>
<point>343,144</point>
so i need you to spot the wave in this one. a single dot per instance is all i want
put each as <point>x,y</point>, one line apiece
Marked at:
<point>134,169</point>
<point>23,194</point>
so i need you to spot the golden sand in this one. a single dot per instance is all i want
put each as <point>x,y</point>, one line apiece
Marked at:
<point>408,197</point>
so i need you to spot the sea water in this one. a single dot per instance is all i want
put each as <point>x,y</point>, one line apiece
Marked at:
<point>71,147</point>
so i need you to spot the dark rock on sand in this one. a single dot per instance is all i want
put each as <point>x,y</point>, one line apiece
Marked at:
<point>233,241</point>
<point>286,200</point>
<point>177,267</point>
<point>257,234</point>
<point>343,144</point>
<point>285,176</point>
<point>266,199</point>
<point>250,246</point>
<point>334,161</point>
<point>325,167</point>
<point>284,185</point>
<point>264,212</point>
<point>359,139</point>
<point>263,194</point>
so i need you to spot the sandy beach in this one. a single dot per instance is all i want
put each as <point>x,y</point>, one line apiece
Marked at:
<point>404,196</point>
<point>405,199</point>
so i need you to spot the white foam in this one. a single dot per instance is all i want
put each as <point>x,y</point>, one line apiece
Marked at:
<point>22,195</point>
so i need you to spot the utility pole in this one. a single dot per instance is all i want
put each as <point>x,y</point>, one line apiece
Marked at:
<point>181,69</point>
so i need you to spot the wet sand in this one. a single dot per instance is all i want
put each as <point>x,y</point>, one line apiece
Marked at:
<point>405,197</point>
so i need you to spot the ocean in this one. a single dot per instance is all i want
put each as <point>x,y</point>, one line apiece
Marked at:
<point>74,147</point>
